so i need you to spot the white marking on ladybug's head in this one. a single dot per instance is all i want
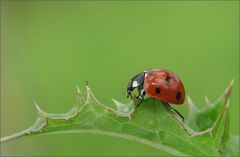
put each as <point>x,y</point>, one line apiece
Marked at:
<point>134,84</point>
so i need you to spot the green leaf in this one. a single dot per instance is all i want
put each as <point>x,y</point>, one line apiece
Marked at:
<point>206,132</point>
<point>231,147</point>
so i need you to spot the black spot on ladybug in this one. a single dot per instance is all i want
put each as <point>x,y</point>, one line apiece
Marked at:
<point>158,90</point>
<point>168,79</point>
<point>178,96</point>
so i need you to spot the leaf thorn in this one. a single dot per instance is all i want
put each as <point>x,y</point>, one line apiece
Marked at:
<point>191,106</point>
<point>228,90</point>
<point>226,107</point>
<point>40,111</point>
<point>78,90</point>
<point>207,101</point>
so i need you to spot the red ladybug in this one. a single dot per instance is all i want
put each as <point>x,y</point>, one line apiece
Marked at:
<point>160,84</point>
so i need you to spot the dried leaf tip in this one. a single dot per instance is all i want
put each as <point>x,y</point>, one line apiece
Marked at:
<point>228,90</point>
<point>123,110</point>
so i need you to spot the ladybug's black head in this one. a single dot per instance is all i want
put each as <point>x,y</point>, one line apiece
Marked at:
<point>130,86</point>
<point>136,82</point>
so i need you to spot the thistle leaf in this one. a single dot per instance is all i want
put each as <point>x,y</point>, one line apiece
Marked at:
<point>206,132</point>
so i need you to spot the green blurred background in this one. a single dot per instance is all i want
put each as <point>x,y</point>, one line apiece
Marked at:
<point>49,47</point>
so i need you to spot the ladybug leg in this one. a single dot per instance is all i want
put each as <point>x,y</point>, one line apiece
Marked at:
<point>168,106</point>
<point>141,97</point>
<point>178,113</point>
<point>139,103</point>
<point>143,94</point>
<point>139,93</point>
<point>129,94</point>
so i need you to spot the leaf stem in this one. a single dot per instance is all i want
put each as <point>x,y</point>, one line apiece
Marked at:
<point>14,136</point>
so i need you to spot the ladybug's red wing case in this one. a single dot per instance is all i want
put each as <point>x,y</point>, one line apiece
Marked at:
<point>164,85</point>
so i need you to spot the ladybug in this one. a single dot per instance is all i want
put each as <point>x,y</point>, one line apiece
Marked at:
<point>159,84</point>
